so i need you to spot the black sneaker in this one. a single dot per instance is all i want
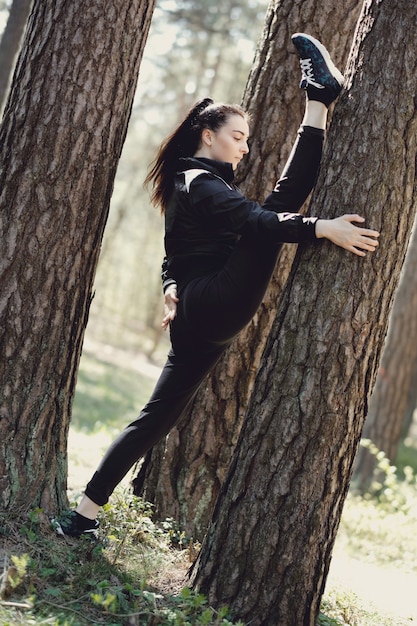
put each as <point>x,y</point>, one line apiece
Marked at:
<point>320,77</point>
<point>72,524</point>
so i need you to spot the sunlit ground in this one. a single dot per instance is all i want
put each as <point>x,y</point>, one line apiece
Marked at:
<point>85,452</point>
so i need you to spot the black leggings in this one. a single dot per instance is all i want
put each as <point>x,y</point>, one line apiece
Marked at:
<point>211,311</point>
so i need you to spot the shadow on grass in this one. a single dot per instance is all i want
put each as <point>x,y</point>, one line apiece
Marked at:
<point>124,578</point>
<point>107,395</point>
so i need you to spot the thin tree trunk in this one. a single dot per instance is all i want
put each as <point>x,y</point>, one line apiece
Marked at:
<point>268,548</point>
<point>411,404</point>
<point>10,43</point>
<point>183,475</point>
<point>60,142</point>
<point>389,401</point>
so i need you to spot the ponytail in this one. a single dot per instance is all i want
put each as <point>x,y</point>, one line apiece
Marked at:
<point>184,142</point>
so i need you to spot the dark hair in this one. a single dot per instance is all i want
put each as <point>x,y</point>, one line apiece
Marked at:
<point>184,142</point>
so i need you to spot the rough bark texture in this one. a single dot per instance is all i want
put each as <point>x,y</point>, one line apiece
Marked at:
<point>183,475</point>
<point>60,141</point>
<point>10,42</point>
<point>395,383</point>
<point>268,548</point>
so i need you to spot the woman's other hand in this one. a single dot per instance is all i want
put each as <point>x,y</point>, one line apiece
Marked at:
<point>170,306</point>
<point>342,232</point>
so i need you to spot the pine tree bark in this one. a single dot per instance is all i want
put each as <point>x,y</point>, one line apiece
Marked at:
<point>60,142</point>
<point>268,548</point>
<point>182,475</point>
<point>395,382</point>
<point>10,42</point>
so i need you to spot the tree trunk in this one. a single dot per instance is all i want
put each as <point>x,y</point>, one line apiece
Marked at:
<point>411,404</point>
<point>182,475</point>
<point>268,548</point>
<point>60,142</point>
<point>396,377</point>
<point>10,42</point>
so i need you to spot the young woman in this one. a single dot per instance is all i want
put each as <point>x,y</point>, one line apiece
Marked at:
<point>221,250</point>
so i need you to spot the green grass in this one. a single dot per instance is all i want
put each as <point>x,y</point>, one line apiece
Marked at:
<point>107,395</point>
<point>79,582</point>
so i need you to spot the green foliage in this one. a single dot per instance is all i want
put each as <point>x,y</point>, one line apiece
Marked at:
<point>78,582</point>
<point>392,493</point>
<point>191,610</point>
<point>177,536</point>
<point>29,530</point>
<point>323,620</point>
<point>344,609</point>
<point>380,527</point>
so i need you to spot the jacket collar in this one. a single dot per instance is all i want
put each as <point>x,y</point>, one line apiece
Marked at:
<point>220,168</point>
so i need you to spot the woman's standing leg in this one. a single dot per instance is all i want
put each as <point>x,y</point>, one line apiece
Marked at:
<point>180,379</point>
<point>188,363</point>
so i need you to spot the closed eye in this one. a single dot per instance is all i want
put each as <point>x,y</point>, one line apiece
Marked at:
<point>240,135</point>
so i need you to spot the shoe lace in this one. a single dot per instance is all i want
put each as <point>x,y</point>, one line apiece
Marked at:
<point>308,73</point>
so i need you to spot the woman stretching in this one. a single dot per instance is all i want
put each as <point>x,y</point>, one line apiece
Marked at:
<point>221,250</point>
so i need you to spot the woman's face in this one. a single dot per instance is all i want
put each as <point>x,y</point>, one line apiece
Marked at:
<point>229,143</point>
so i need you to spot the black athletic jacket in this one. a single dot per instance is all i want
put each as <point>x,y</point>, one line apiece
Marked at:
<point>207,214</point>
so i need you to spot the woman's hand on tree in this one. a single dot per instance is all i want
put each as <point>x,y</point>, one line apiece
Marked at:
<point>170,305</point>
<point>342,232</point>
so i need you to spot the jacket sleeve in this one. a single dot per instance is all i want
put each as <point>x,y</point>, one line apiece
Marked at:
<point>167,280</point>
<point>224,207</point>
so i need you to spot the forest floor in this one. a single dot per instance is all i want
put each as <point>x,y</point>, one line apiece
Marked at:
<point>385,588</point>
<point>389,587</point>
